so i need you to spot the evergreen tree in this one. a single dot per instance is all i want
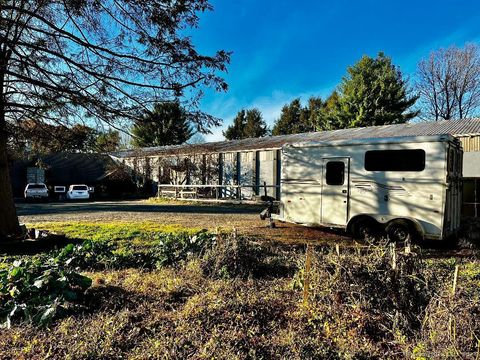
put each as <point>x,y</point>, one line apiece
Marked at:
<point>255,126</point>
<point>374,93</point>
<point>315,108</point>
<point>236,130</point>
<point>294,119</point>
<point>247,124</point>
<point>329,114</point>
<point>166,125</point>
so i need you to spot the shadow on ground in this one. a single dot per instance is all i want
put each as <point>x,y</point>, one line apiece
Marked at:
<point>28,209</point>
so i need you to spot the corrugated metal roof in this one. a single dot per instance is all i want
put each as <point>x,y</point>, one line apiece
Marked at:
<point>68,168</point>
<point>452,127</point>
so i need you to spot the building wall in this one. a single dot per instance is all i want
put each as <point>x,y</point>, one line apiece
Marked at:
<point>268,172</point>
<point>250,169</point>
<point>471,164</point>
<point>247,175</point>
<point>471,175</point>
<point>229,168</point>
<point>470,143</point>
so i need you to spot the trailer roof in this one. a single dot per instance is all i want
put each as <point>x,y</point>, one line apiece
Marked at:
<point>377,140</point>
<point>456,128</point>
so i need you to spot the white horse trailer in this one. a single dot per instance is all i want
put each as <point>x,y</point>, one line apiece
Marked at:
<point>407,186</point>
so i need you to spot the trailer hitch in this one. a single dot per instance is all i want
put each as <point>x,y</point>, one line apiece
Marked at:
<point>267,213</point>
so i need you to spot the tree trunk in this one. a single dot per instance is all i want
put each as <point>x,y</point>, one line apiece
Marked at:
<point>8,214</point>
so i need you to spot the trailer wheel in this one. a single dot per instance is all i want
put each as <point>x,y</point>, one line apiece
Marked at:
<point>400,231</point>
<point>364,229</point>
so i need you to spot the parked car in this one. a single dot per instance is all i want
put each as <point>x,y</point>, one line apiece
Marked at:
<point>36,191</point>
<point>78,192</point>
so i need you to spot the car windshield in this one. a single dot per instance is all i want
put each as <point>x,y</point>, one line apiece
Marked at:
<point>80,187</point>
<point>36,186</point>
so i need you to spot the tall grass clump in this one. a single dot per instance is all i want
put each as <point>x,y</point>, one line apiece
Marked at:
<point>367,300</point>
<point>451,327</point>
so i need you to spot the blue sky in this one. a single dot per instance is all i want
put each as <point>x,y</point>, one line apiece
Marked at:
<point>288,49</point>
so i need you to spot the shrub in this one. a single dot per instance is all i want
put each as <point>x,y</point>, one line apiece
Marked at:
<point>239,256</point>
<point>232,256</point>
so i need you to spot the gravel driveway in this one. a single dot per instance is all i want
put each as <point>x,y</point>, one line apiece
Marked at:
<point>245,218</point>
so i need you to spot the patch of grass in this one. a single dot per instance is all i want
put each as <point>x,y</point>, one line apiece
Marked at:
<point>137,233</point>
<point>172,201</point>
<point>166,314</point>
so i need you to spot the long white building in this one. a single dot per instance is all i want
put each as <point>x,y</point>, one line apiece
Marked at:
<point>248,164</point>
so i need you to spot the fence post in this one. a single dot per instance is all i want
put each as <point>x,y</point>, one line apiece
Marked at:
<point>306,280</point>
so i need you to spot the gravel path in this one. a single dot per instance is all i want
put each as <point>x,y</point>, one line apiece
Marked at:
<point>245,218</point>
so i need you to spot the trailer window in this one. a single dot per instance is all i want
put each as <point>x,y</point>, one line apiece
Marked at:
<point>395,160</point>
<point>335,174</point>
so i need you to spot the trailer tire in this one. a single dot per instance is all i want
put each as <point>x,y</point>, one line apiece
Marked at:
<point>364,228</point>
<point>400,231</point>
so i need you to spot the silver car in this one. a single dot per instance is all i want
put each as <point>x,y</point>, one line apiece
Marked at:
<point>36,191</point>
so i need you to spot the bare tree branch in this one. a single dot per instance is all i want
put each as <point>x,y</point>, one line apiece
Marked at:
<point>448,82</point>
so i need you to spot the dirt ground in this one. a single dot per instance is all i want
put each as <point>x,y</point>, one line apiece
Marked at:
<point>245,218</point>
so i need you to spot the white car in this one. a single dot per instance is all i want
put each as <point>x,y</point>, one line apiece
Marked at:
<point>78,192</point>
<point>36,191</point>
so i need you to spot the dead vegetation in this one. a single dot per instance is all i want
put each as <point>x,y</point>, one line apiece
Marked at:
<point>230,296</point>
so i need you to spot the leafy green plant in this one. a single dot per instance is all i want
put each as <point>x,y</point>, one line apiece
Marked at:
<point>171,249</point>
<point>88,255</point>
<point>37,291</point>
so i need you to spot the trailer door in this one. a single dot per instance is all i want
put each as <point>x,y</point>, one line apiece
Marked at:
<point>453,202</point>
<point>335,190</point>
